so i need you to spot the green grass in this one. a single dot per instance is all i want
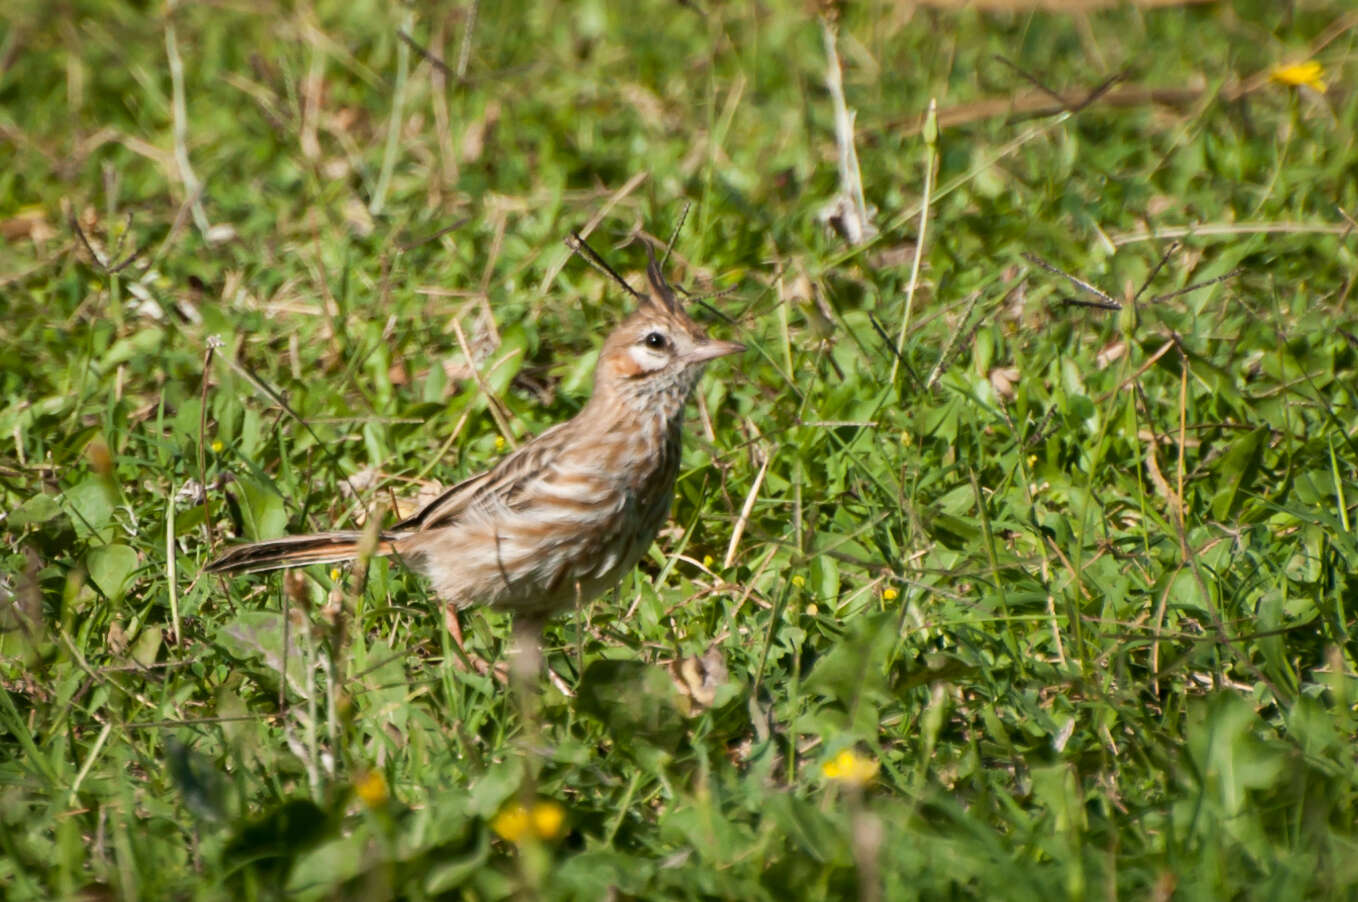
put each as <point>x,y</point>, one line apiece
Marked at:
<point>1078,585</point>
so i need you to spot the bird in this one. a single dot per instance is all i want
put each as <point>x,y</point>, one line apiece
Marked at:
<point>562,519</point>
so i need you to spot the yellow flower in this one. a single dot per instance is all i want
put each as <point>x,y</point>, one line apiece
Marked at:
<point>850,768</point>
<point>708,561</point>
<point>371,788</point>
<point>334,574</point>
<point>1308,74</point>
<point>549,819</point>
<point>511,823</point>
<point>798,580</point>
<point>499,443</point>
<point>812,610</point>
<point>217,446</point>
<point>890,594</point>
<point>515,823</point>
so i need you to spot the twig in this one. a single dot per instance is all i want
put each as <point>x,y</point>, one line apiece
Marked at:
<point>555,269</point>
<point>1155,270</point>
<point>579,245</point>
<point>192,186</point>
<point>417,242</point>
<point>1232,228</point>
<point>497,410</point>
<point>674,235</point>
<point>171,562</point>
<point>111,269</point>
<point>859,227</point>
<point>1196,285</point>
<point>930,159</point>
<point>1068,104</point>
<point>379,197</point>
<point>890,346</point>
<point>1105,302</point>
<point>465,50</point>
<point>745,511</point>
<point>425,53</point>
<point>957,342</point>
<point>213,343</point>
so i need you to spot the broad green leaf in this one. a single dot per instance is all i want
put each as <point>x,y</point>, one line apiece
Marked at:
<point>147,646</point>
<point>490,792</point>
<point>272,842</point>
<point>806,825</point>
<point>857,662</point>
<point>201,785</point>
<point>1237,470</point>
<point>262,508</point>
<point>324,869</point>
<point>1231,760</point>
<point>602,874</point>
<point>142,343</point>
<point>110,568</point>
<point>259,634</point>
<point>448,872</point>
<point>92,502</point>
<point>39,508</point>
<point>635,701</point>
<point>707,830</point>
<point>445,821</point>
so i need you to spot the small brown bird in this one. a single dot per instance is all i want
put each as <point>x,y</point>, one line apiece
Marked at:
<point>565,517</point>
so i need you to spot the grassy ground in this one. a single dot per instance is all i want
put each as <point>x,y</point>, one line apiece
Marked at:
<point>1054,601</point>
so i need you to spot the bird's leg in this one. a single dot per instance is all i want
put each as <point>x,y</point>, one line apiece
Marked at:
<point>467,659</point>
<point>525,652</point>
<point>527,660</point>
<point>454,625</point>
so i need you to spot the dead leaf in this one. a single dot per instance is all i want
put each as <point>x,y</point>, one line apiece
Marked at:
<point>1003,379</point>
<point>356,215</point>
<point>1060,6</point>
<point>31,224</point>
<point>697,680</point>
<point>116,640</point>
<point>1111,352</point>
<point>474,138</point>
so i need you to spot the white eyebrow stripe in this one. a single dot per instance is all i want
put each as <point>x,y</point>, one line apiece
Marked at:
<point>646,359</point>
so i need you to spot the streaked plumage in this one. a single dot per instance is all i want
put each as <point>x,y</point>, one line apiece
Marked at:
<point>568,514</point>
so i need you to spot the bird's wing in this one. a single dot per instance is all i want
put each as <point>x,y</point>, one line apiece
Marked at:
<point>500,484</point>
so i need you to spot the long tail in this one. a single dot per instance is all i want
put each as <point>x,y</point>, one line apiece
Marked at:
<point>296,551</point>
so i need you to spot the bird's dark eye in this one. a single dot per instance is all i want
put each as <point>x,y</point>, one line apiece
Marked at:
<point>655,340</point>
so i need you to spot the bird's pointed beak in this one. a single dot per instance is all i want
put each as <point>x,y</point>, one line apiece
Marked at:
<point>713,349</point>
